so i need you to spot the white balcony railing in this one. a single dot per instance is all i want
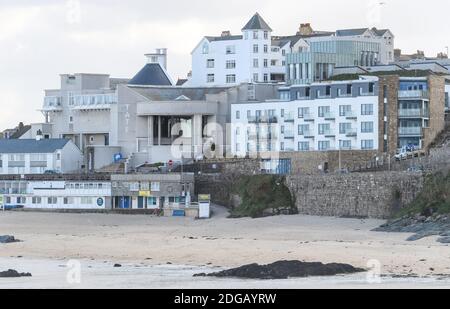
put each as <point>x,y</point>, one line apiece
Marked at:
<point>413,94</point>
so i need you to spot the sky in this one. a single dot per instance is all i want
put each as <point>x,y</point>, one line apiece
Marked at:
<point>41,39</point>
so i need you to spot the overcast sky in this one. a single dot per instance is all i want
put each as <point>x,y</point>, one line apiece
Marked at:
<point>41,39</point>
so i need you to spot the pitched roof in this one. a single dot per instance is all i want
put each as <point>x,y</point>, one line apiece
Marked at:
<point>31,145</point>
<point>379,32</point>
<point>151,75</point>
<point>351,32</point>
<point>257,23</point>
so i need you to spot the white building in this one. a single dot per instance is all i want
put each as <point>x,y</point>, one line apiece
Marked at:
<point>36,156</point>
<point>256,55</point>
<point>70,194</point>
<point>230,59</point>
<point>316,117</point>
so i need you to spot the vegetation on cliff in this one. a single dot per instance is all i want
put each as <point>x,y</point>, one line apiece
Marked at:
<point>262,195</point>
<point>433,199</point>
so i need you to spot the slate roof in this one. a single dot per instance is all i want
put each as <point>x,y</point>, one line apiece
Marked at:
<point>224,38</point>
<point>151,75</point>
<point>172,93</point>
<point>351,32</point>
<point>379,32</point>
<point>31,145</point>
<point>257,23</point>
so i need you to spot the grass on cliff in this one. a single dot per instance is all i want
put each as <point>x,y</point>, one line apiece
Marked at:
<point>434,197</point>
<point>261,195</point>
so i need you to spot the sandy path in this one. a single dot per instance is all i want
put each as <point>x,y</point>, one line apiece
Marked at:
<point>219,241</point>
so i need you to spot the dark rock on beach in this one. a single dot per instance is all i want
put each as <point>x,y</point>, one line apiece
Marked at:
<point>421,226</point>
<point>7,239</point>
<point>285,270</point>
<point>11,273</point>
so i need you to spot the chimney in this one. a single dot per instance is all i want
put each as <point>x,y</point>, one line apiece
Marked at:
<point>39,135</point>
<point>305,29</point>
<point>225,33</point>
<point>159,56</point>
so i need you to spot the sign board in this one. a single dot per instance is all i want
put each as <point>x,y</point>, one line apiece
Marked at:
<point>118,157</point>
<point>204,197</point>
<point>100,202</point>
<point>145,193</point>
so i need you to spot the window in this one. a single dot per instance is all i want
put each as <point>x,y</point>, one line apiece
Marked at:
<point>36,200</point>
<point>345,110</point>
<point>255,77</point>
<point>328,91</point>
<point>266,48</point>
<point>21,200</point>
<point>86,200</point>
<point>282,146</point>
<point>283,52</point>
<point>303,128</point>
<point>231,78</point>
<point>255,63</point>
<point>52,201</point>
<point>324,145</point>
<point>205,48</point>
<point>307,92</point>
<point>367,109</point>
<point>366,127</point>
<point>346,144</point>
<point>58,156</point>
<point>255,48</point>
<point>344,128</point>
<point>231,49</point>
<point>323,110</point>
<point>266,63</point>
<point>156,186</point>
<point>371,87</point>
<point>266,77</point>
<point>238,115</point>
<point>68,201</point>
<point>266,35</point>
<point>302,111</point>
<point>273,63</point>
<point>210,78</point>
<point>324,128</point>
<point>349,89</point>
<point>367,144</point>
<point>152,201</point>
<point>303,146</point>
<point>210,63</point>
<point>231,64</point>
<point>255,35</point>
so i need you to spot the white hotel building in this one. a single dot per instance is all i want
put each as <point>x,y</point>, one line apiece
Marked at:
<point>316,117</point>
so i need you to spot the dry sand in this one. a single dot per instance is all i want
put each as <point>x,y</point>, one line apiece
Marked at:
<point>217,242</point>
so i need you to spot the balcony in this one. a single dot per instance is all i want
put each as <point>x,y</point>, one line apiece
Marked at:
<point>328,133</point>
<point>308,117</point>
<point>93,101</point>
<point>410,131</point>
<point>289,135</point>
<point>329,116</point>
<point>289,118</point>
<point>262,119</point>
<point>52,104</point>
<point>308,134</point>
<point>412,113</point>
<point>350,115</point>
<point>351,133</point>
<point>413,94</point>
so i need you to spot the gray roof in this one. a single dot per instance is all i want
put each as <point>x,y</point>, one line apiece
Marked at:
<point>224,38</point>
<point>257,23</point>
<point>351,32</point>
<point>31,145</point>
<point>172,93</point>
<point>151,75</point>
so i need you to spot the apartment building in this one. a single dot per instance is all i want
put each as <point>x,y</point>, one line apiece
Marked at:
<point>317,57</point>
<point>377,114</point>
<point>36,156</point>
<point>257,55</point>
